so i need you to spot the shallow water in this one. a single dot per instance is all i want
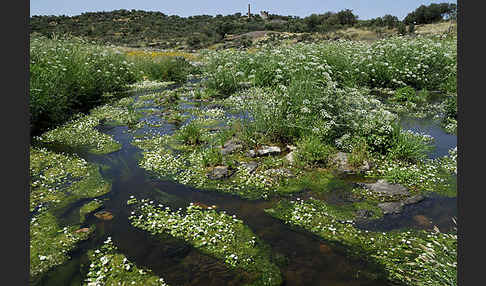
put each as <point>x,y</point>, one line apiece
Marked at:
<point>303,258</point>
<point>443,141</point>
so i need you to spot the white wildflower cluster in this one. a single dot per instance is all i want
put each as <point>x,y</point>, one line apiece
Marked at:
<point>109,267</point>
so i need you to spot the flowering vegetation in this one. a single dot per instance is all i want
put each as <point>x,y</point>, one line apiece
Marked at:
<point>409,257</point>
<point>215,233</point>
<point>71,75</point>
<point>109,267</point>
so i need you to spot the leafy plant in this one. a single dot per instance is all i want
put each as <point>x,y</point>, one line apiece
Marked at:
<point>311,151</point>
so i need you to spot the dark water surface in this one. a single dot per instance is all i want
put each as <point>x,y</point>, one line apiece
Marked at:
<point>303,258</point>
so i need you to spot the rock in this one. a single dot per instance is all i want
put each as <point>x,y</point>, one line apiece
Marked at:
<point>219,172</point>
<point>422,220</point>
<point>291,147</point>
<point>396,207</point>
<point>104,215</point>
<point>84,229</point>
<point>391,207</point>
<point>365,167</point>
<point>413,200</point>
<point>251,153</point>
<point>230,147</point>
<point>250,167</point>
<point>290,157</point>
<point>268,150</point>
<point>382,186</point>
<point>342,163</point>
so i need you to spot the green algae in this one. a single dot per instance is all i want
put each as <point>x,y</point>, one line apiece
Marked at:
<point>215,233</point>
<point>57,180</point>
<point>89,208</point>
<point>50,243</point>
<point>408,257</point>
<point>109,267</point>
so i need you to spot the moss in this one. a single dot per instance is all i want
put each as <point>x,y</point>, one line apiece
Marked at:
<point>109,267</point>
<point>215,233</point>
<point>89,208</point>
<point>409,257</point>
<point>50,244</point>
<point>58,179</point>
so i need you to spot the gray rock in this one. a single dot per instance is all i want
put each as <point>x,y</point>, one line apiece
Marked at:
<point>413,200</point>
<point>391,207</point>
<point>251,153</point>
<point>268,150</point>
<point>290,157</point>
<point>382,186</point>
<point>397,207</point>
<point>291,147</point>
<point>342,163</point>
<point>230,147</point>
<point>219,172</point>
<point>250,167</point>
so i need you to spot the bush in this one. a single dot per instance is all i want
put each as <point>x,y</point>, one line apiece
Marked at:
<point>451,107</point>
<point>359,153</point>
<point>163,68</point>
<point>311,152</point>
<point>406,93</point>
<point>211,157</point>
<point>67,75</point>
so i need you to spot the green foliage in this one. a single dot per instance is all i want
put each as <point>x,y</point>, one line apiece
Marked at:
<point>409,146</point>
<point>359,154</point>
<point>312,152</point>
<point>68,76</point>
<point>406,93</point>
<point>191,134</point>
<point>163,69</point>
<point>402,29</point>
<point>211,157</point>
<point>451,107</point>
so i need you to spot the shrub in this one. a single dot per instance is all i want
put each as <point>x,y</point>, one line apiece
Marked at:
<point>359,153</point>
<point>311,151</point>
<point>406,93</point>
<point>67,75</point>
<point>163,68</point>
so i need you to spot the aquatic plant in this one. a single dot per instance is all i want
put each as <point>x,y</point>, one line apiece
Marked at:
<point>409,257</point>
<point>109,267</point>
<point>216,233</point>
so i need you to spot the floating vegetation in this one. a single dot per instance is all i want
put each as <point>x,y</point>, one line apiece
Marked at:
<point>109,267</point>
<point>80,133</point>
<point>57,180</point>
<point>89,208</point>
<point>214,233</point>
<point>50,243</point>
<point>410,257</point>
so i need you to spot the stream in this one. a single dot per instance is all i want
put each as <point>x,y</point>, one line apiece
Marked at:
<point>303,258</point>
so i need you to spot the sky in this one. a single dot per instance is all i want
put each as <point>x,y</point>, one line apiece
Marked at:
<point>365,9</point>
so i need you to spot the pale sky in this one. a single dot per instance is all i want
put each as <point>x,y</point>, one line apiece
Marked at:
<point>365,9</point>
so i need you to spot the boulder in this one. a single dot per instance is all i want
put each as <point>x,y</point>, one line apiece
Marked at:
<point>268,150</point>
<point>290,157</point>
<point>230,146</point>
<point>250,166</point>
<point>251,153</point>
<point>219,172</point>
<point>391,207</point>
<point>341,161</point>
<point>383,187</point>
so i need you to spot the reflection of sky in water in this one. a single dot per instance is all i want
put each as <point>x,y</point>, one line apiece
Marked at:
<point>443,142</point>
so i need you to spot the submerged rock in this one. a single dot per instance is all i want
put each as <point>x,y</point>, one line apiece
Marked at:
<point>219,172</point>
<point>268,150</point>
<point>383,187</point>
<point>104,215</point>
<point>397,207</point>
<point>84,229</point>
<point>250,166</point>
